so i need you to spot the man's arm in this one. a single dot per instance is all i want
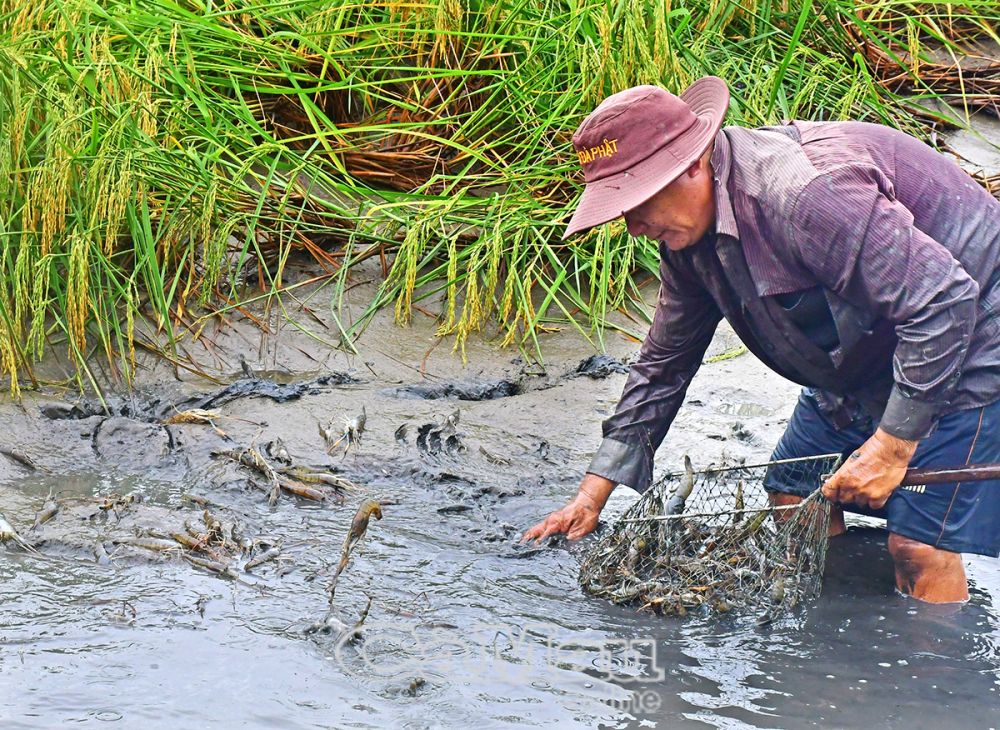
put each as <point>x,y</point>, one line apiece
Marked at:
<point>685,320</point>
<point>683,324</point>
<point>863,245</point>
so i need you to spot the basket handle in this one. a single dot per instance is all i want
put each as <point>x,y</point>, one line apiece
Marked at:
<point>974,473</point>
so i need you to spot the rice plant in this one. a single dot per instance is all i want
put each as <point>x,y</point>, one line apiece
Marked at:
<point>160,155</point>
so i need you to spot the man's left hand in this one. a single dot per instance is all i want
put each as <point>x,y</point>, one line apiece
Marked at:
<point>871,474</point>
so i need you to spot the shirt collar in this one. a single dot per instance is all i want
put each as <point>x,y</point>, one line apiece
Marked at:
<point>725,219</point>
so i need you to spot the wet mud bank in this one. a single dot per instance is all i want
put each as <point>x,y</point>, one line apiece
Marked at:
<point>174,583</point>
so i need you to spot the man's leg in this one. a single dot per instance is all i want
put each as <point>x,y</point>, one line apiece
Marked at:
<point>837,526</point>
<point>926,572</point>
<point>931,525</point>
<point>811,432</point>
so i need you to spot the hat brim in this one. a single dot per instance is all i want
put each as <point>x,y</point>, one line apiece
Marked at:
<point>610,197</point>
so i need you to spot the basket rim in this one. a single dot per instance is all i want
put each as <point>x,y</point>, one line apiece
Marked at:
<point>722,469</point>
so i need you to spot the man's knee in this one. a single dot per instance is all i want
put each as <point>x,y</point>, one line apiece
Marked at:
<point>926,572</point>
<point>913,556</point>
<point>780,499</point>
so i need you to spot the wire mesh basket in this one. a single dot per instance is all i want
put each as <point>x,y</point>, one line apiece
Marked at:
<point>711,540</point>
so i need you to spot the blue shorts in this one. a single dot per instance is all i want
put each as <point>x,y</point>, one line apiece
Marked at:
<point>960,517</point>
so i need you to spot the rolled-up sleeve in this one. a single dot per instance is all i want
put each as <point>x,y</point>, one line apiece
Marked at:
<point>685,319</point>
<point>858,241</point>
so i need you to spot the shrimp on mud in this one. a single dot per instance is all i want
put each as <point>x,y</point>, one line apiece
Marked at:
<point>277,451</point>
<point>251,458</point>
<point>153,544</point>
<point>317,486</point>
<point>359,526</point>
<point>351,432</point>
<point>267,555</point>
<point>101,553</point>
<point>333,625</point>
<point>198,416</point>
<point>9,534</point>
<point>46,513</point>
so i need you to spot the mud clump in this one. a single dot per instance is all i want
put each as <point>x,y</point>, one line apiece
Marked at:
<point>433,440</point>
<point>599,367</point>
<point>265,388</point>
<point>69,411</point>
<point>155,409</point>
<point>596,367</point>
<point>131,443</point>
<point>472,391</point>
<point>741,433</point>
<point>454,509</point>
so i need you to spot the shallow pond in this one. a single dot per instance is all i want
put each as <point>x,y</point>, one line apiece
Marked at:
<point>465,629</point>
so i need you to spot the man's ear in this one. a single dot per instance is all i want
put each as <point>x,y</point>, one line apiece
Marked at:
<point>701,162</point>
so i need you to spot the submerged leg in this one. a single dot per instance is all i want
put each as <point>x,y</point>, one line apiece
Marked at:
<point>837,527</point>
<point>811,431</point>
<point>926,572</point>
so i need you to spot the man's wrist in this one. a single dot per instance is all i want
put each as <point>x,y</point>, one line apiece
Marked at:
<point>896,449</point>
<point>595,490</point>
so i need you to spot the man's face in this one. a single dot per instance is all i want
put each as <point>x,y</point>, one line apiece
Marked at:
<point>681,213</point>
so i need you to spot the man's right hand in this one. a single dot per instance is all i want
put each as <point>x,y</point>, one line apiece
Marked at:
<point>580,516</point>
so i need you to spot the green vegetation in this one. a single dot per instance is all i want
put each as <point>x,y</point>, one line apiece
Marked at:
<point>157,152</point>
<point>730,354</point>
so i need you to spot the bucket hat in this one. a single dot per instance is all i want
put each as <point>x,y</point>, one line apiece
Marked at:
<point>640,140</point>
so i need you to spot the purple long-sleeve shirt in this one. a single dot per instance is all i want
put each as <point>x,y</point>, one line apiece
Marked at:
<point>903,245</point>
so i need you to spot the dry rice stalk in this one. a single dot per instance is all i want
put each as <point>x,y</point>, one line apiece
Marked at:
<point>970,67</point>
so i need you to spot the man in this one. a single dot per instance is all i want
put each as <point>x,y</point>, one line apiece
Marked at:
<point>850,258</point>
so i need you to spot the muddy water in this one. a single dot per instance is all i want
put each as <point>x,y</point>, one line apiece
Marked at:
<point>464,626</point>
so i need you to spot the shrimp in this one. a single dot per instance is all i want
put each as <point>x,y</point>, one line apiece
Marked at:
<point>359,526</point>
<point>9,534</point>
<point>46,513</point>
<point>352,431</point>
